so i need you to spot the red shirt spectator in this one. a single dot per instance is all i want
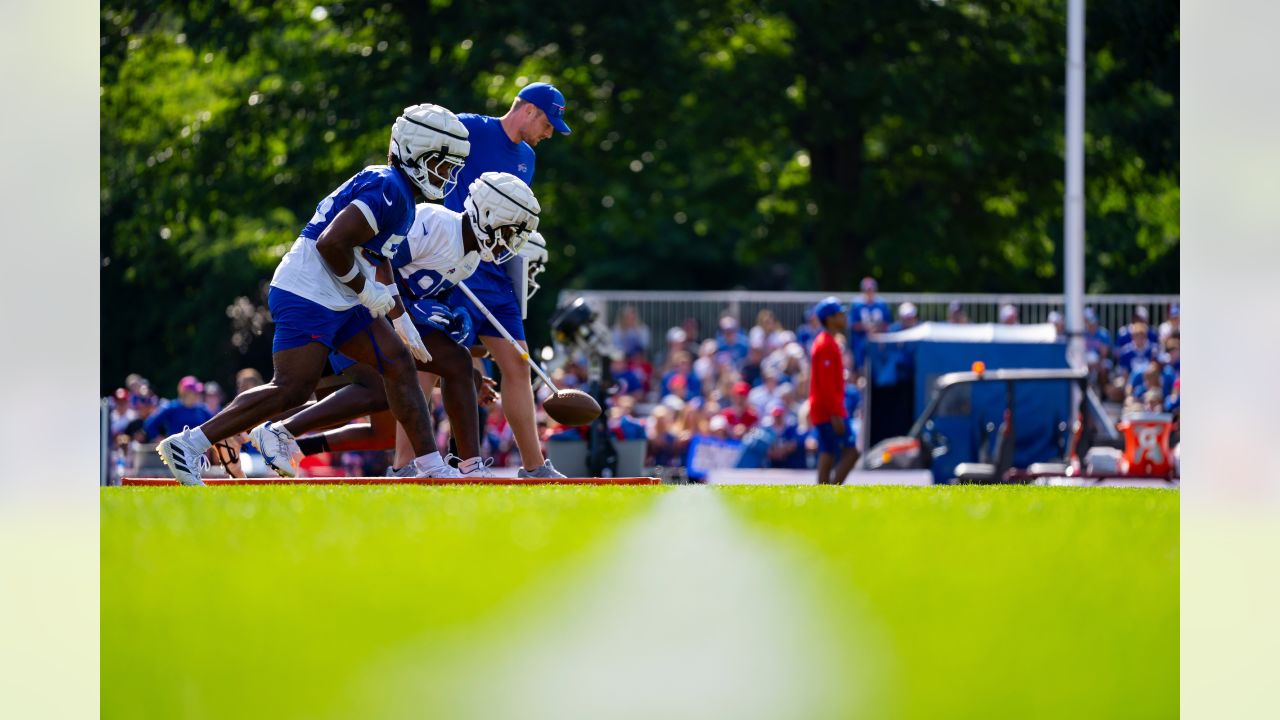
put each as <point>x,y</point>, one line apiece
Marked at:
<point>740,416</point>
<point>826,386</point>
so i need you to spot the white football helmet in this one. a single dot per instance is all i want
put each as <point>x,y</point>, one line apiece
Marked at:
<point>535,258</point>
<point>430,144</point>
<point>503,211</point>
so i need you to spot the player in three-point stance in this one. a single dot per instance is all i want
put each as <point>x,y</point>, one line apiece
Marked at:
<point>837,451</point>
<point>324,295</point>
<point>444,249</point>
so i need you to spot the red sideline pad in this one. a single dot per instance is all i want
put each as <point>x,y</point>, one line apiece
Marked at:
<point>161,482</point>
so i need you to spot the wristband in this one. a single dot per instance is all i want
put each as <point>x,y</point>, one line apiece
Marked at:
<point>350,274</point>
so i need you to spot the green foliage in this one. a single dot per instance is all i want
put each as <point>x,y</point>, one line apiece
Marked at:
<point>717,143</point>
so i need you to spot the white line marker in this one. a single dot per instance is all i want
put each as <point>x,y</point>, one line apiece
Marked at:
<point>690,616</point>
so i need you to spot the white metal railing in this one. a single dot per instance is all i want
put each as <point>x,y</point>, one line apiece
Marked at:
<point>664,309</point>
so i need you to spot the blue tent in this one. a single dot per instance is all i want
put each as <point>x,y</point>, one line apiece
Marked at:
<point>903,366</point>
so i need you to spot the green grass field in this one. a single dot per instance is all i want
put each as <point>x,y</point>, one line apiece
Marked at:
<point>315,602</point>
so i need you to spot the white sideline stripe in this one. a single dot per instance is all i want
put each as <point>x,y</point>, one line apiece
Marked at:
<point>691,616</point>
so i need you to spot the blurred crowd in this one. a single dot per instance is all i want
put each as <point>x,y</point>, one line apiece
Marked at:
<point>751,384</point>
<point>747,385</point>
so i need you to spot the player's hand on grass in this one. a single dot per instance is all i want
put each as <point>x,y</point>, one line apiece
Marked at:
<point>409,334</point>
<point>377,298</point>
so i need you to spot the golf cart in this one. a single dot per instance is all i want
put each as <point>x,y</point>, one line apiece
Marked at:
<point>1014,424</point>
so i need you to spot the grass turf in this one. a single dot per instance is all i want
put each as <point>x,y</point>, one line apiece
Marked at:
<point>267,601</point>
<point>969,602</point>
<point>997,601</point>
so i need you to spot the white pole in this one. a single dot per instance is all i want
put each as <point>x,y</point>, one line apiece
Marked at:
<point>1073,207</point>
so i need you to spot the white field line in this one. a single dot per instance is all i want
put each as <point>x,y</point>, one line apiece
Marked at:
<point>690,616</point>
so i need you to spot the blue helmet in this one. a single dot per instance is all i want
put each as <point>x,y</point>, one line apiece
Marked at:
<point>827,307</point>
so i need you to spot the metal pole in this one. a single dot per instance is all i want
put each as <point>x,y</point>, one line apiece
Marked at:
<point>1073,209</point>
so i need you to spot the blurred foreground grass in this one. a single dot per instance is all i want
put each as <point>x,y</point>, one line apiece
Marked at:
<point>971,602</point>
<point>995,602</point>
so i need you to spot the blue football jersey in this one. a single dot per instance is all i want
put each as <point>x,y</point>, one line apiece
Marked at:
<point>491,151</point>
<point>385,198</point>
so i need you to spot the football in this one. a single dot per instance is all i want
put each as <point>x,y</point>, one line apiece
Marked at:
<point>572,408</point>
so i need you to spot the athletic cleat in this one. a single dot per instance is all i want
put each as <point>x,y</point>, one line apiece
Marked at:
<point>184,461</point>
<point>476,467</point>
<point>278,448</point>
<point>545,471</point>
<point>443,470</point>
<point>407,471</point>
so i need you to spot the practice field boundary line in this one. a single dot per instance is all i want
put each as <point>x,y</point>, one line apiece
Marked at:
<point>168,482</point>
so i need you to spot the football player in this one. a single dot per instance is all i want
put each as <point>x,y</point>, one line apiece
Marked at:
<point>326,296</point>
<point>445,247</point>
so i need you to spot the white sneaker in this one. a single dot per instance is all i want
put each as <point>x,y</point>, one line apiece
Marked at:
<point>476,467</point>
<point>545,471</point>
<point>443,470</point>
<point>184,461</point>
<point>278,447</point>
<point>408,471</point>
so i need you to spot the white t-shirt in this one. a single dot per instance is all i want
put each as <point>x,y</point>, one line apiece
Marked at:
<point>438,261</point>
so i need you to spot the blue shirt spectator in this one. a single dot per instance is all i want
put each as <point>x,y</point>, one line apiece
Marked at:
<point>866,315</point>
<point>188,410</point>
<point>731,340</point>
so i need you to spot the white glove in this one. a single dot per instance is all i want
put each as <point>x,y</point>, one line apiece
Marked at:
<point>377,298</point>
<point>535,250</point>
<point>409,334</point>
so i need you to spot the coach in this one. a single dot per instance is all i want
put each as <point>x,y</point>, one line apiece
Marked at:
<point>506,144</point>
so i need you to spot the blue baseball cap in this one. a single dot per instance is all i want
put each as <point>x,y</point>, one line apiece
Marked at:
<point>827,307</point>
<point>549,100</point>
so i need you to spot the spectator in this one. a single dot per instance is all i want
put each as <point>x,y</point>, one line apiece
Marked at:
<point>956,313</point>
<point>837,451</point>
<point>788,450</point>
<point>867,315</point>
<point>1172,326</point>
<point>683,371</point>
<point>134,382</point>
<point>248,379</point>
<point>630,335</point>
<point>640,366</point>
<point>808,329</point>
<point>144,404</point>
<point>1150,379</point>
<point>906,317</point>
<point>677,342</point>
<point>767,394</point>
<point>1096,337</point>
<point>739,414</point>
<point>730,339</point>
<point>1140,317</point>
<point>213,396</point>
<point>767,334</point>
<point>121,412</point>
<point>1008,314</point>
<point>705,366</point>
<point>1055,319</point>
<point>718,427</point>
<point>626,382</point>
<point>623,421</point>
<point>187,411</point>
<point>662,438</point>
<point>752,369</point>
<point>1138,352</point>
